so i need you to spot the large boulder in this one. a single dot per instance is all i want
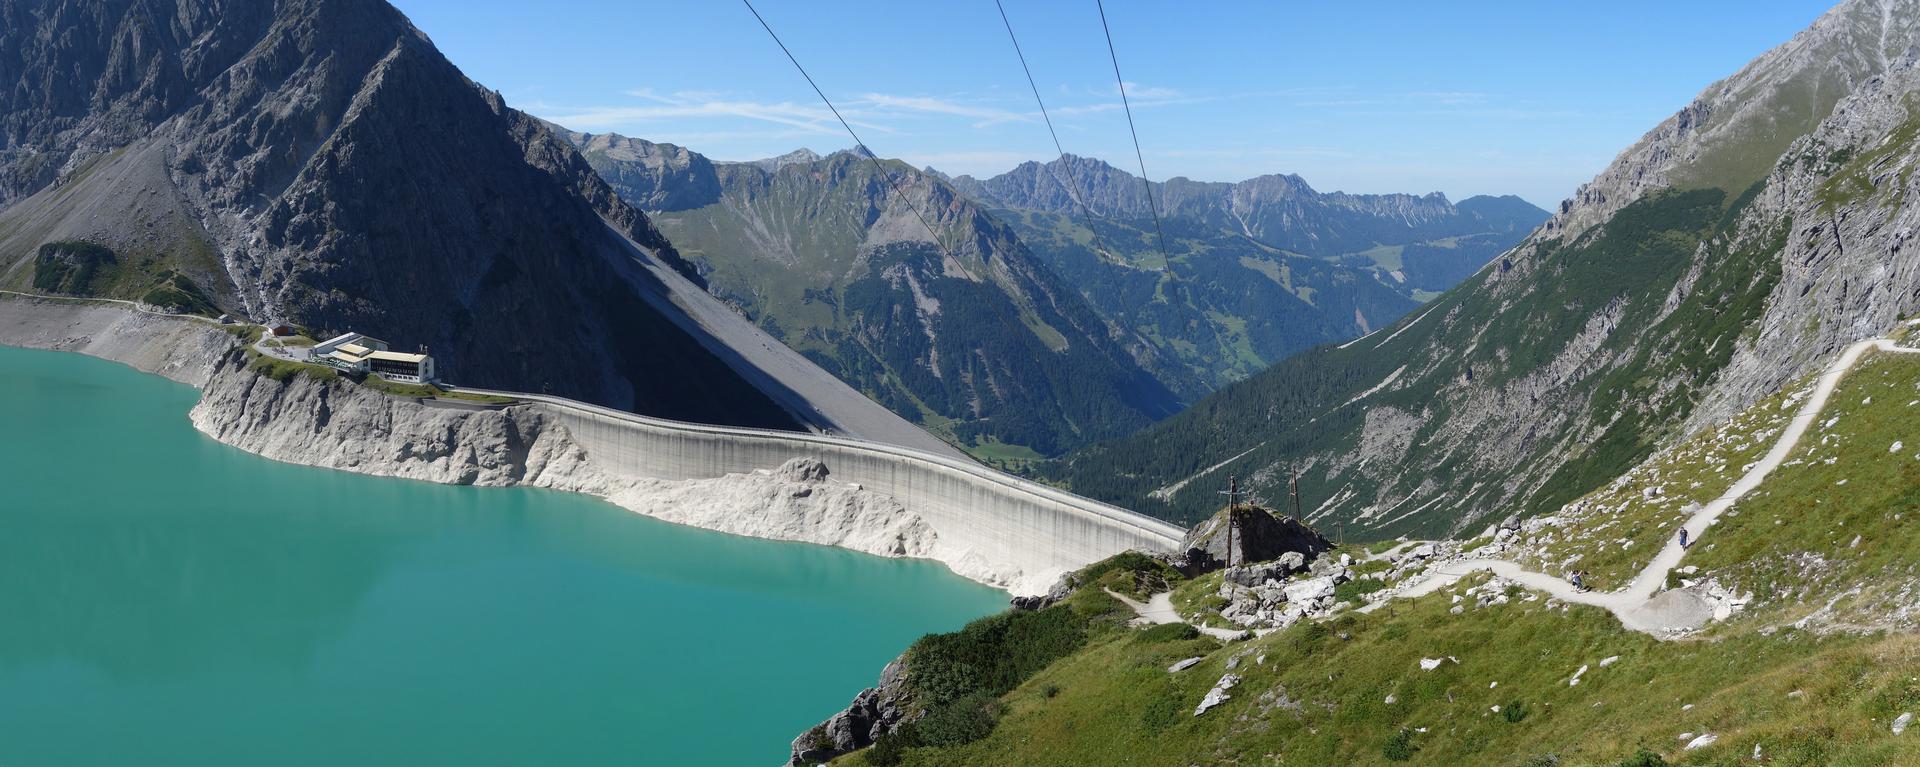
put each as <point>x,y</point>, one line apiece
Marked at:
<point>1258,536</point>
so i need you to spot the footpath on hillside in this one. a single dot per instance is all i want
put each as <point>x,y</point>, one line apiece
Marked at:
<point>1642,605</point>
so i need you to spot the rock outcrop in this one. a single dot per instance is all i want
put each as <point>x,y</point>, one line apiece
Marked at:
<point>1249,535</point>
<point>874,712</point>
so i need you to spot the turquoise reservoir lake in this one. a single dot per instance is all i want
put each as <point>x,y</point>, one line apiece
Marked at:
<point>168,600</point>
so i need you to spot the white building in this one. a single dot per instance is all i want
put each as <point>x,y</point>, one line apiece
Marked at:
<point>358,353</point>
<point>401,366</point>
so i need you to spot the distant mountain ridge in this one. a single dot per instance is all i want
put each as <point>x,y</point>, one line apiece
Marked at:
<point>1260,269</point>
<point>1279,210</point>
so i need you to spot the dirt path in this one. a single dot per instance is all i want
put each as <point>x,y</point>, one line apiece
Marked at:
<point>1642,606</point>
<point>1158,609</point>
<point>137,306</point>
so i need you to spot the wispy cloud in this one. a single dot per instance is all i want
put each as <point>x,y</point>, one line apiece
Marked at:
<point>1149,92</point>
<point>884,103</point>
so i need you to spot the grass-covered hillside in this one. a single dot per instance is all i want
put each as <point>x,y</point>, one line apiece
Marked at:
<point>1481,673</point>
<point>1614,531</point>
<point>1832,538</point>
<point>1816,666</point>
<point>1828,537</point>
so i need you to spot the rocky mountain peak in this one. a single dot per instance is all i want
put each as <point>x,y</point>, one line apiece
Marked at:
<point>319,162</point>
<point>801,156</point>
<point>1730,136</point>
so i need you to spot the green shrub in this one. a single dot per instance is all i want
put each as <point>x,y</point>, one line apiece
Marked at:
<point>1400,747</point>
<point>1168,632</point>
<point>1514,712</point>
<point>1644,758</point>
<point>70,267</point>
<point>1162,708</point>
<point>959,722</point>
<point>1133,573</point>
<point>1372,566</point>
<point>1306,636</point>
<point>1353,590</point>
<point>887,751</point>
<point>992,655</point>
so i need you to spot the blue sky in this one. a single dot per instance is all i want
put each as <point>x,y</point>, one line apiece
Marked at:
<point>1462,98</point>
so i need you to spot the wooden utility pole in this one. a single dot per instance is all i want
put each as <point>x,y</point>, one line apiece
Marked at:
<point>1294,486</point>
<point>1233,512</point>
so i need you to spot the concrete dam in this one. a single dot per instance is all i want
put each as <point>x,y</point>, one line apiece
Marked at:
<point>1001,517</point>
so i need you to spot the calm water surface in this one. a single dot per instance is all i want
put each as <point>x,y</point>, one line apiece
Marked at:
<point>165,599</point>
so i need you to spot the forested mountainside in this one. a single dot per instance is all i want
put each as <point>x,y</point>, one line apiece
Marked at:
<point>320,162</point>
<point>988,347</point>
<point>1254,271</point>
<point>1756,231</point>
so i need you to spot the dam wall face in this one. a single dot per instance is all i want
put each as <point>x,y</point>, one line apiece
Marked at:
<point>998,517</point>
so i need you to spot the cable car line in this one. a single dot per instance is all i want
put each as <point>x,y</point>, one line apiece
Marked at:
<point>1071,184</point>
<point>1151,206</point>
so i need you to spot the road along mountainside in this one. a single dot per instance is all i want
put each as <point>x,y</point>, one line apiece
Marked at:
<point>179,348</point>
<point>1643,605</point>
<point>881,499</point>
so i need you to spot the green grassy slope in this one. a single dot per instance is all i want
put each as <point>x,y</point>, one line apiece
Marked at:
<point>1835,531</point>
<point>1353,691</point>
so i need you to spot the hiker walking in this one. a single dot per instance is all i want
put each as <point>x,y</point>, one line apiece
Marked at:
<point>1683,538</point>
<point>1580,580</point>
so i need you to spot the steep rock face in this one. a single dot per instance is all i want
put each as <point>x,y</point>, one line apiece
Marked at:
<point>1724,254</point>
<point>318,161</point>
<point>1848,270</point>
<point>834,259</point>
